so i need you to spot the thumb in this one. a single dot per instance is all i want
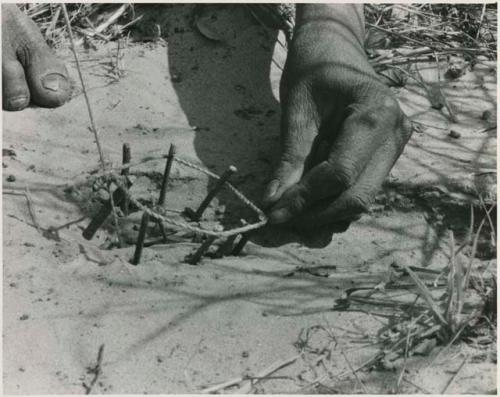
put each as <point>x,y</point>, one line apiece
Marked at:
<point>299,127</point>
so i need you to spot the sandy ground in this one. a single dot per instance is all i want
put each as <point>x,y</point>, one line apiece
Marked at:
<point>168,327</point>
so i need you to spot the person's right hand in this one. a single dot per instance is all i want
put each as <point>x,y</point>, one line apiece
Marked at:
<point>30,70</point>
<point>342,128</point>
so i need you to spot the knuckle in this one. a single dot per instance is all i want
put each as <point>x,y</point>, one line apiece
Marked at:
<point>344,174</point>
<point>391,105</point>
<point>358,203</point>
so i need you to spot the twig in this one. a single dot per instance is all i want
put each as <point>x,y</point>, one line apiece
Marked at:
<point>265,373</point>
<point>492,225</point>
<point>417,386</point>
<point>358,379</point>
<point>103,26</point>
<point>97,370</point>
<point>84,90</point>
<point>31,210</point>
<point>222,386</point>
<point>455,337</point>
<point>402,373</point>
<point>426,294</point>
<point>481,21</point>
<point>246,388</point>
<point>52,25</point>
<point>446,103</point>
<point>474,247</point>
<point>450,382</point>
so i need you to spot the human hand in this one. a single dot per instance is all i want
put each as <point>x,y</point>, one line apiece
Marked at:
<point>341,129</point>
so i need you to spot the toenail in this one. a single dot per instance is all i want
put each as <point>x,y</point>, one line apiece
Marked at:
<point>54,82</point>
<point>18,102</point>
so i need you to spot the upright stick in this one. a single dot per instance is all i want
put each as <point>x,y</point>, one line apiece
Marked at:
<point>211,194</point>
<point>140,239</point>
<point>166,174</point>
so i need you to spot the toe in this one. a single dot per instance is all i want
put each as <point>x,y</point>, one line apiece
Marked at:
<point>48,81</point>
<point>46,75</point>
<point>15,92</point>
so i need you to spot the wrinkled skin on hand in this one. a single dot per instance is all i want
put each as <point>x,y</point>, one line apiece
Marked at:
<point>341,129</point>
<point>30,70</point>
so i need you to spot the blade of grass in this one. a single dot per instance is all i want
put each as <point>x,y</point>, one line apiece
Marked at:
<point>474,247</point>
<point>426,295</point>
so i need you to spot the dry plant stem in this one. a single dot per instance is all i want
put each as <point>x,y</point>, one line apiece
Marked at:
<point>402,373</point>
<point>114,17</point>
<point>329,331</point>
<point>140,239</point>
<point>481,21</point>
<point>451,281</point>
<point>115,215</point>
<point>455,337</point>
<point>425,391</point>
<point>474,247</point>
<point>426,295</point>
<point>97,370</point>
<point>53,23</point>
<point>126,158</point>
<point>446,103</point>
<point>492,225</point>
<point>245,389</point>
<point>455,375</point>
<point>31,210</point>
<point>468,238</point>
<point>265,373</point>
<point>84,90</point>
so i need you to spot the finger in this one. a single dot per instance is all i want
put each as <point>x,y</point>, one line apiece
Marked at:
<point>362,133</point>
<point>320,237</point>
<point>357,199</point>
<point>299,128</point>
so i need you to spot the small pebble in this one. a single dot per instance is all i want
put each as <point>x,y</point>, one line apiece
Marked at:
<point>24,317</point>
<point>245,354</point>
<point>176,78</point>
<point>11,178</point>
<point>454,134</point>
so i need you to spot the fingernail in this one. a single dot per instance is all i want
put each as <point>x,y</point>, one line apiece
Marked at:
<point>280,216</point>
<point>271,190</point>
<point>17,103</point>
<point>55,82</point>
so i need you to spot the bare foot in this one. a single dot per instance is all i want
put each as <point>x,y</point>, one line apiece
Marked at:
<point>30,70</point>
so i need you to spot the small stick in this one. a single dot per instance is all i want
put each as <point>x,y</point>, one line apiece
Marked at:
<point>166,175</point>
<point>84,89</point>
<point>118,196</point>
<point>31,210</point>
<point>97,370</point>
<point>164,184</point>
<point>454,377</point>
<point>195,258</point>
<point>220,183</point>
<point>241,244</point>
<point>140,239</point>
<point>226,247</point>
<point>126,158</point>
